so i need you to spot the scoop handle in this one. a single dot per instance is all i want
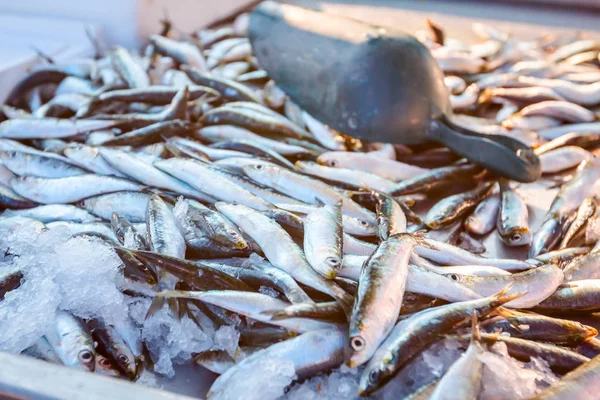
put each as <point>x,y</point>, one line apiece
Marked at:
<point>500,154</point>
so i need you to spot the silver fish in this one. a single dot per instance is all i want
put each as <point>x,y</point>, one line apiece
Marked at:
<point>323,240</point>
<point>202,178</point>
<point>71,342</point>
<point>513,218</point>
<point>70,189</point>
<point>305,189</point>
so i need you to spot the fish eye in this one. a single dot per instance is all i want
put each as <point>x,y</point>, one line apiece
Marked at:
<point>104,362</point>
<point>357,343</point>
<point>85,356</point>
<point>516,237</point>
<point>259,166</point>
<point>363,223</point>
<point>455,277</point>
<point>234,234</point>
<point>123,359</point>
<point>332,163</point>
<point>334,262</point>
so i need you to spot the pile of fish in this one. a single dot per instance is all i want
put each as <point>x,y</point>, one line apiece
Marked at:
<point>175,206</point>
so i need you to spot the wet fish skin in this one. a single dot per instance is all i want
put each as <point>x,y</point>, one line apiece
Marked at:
<point>410,337</point>
<point>323,239</point>
<point>69,189</point>
<point>513,218</point>
<point>380,291</point>
<point>585,211</point>
<point>28,164</point>
<point>71,342</point>
<point>451,208</point>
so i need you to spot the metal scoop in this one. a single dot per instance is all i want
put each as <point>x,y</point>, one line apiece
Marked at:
<point>374,83</point>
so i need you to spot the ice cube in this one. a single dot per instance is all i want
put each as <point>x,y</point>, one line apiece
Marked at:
<point>506,378</point>
<point>226,338</point>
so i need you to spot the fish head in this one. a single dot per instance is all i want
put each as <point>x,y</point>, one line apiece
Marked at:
<point>105,367</point>
<point>373,377</point>
<point>519,236</point>
<point>330,159</point>
<point>359,348</point>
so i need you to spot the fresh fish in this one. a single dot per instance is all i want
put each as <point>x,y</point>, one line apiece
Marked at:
<point>448,210</point>
<point>410,337</point>
<point>115,348</point>
<point>585,183</point>
<point>463,378</point>
<point>356,247</point>
<point>345,176</point>
<point>163,232</point>
<point>541,328</point>
<point>446,254</point>
<point>148,174</point>
<point>305,189</point>
<point>327,137</point>
<point>558,358</point>
<point>49,128</point>
<point>218,133</point>
<point>28,164</point>
<point>388,169</point>
<point>563,158</point>
<point>70,189</point>
<point>183,52</point>
<point>252,305</point>
<point>211,183</point>
<point>323,240</point>
<point>380,291</point>
<point>129,69</point>
<point>577,384</point>
<point>130,205</point>
<point>54,212</point>
<point>574,296</point>
<point>90,158</point>
<point>563,110</point>
<point>586,210</point>
<point>71,342</point>
<point>280,249</point>
<point>391,219</point>
<point>513,218</point>
<point>537,284</point>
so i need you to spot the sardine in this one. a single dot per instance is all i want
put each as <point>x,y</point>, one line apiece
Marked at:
<point>323,240</point>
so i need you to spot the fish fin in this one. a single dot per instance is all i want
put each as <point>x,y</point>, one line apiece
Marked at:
<point>475,335</point>
<point>275,314</point>
<point>504,297</point>
<point>419,237</point>
<point>319,202</point>
<point>507,313</point>
<point>155,306</point>
<point>221,355</point>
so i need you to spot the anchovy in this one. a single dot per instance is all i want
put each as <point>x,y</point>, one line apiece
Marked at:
<point>563,158</point>
<point>389,169</point>
<point>410,337</point>
<point>202,178</point>
<point>49,128</point>
<point>586,210</point>
<point>71,342</point>
<point>129,70</point>
<point>541,328</point>
<point>280,249</point>
<point>380,291</point>
<point>390,216</point>
<point>148,174</point>
<point>130,205</point>
<point>448,210</point>
<point>346,176</point>
<point>513,219</point>
<point>183,52</point>
<point>70,189</point>
<point>323,240</point>
<point>447,254</point>
<point>305,189</point>
<point>54,212</point>
<point>538,283</point>
<point>575,296</point>
<point>252,305</point>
